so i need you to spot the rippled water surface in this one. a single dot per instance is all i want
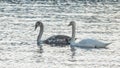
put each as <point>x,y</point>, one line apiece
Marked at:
<point>18,47</point>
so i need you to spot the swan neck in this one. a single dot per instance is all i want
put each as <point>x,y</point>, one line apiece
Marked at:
<point>73,32</point>
<point>40,33</point>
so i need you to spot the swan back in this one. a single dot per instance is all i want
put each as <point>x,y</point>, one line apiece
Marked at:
<point>58,40</point>
<point>91,43</point>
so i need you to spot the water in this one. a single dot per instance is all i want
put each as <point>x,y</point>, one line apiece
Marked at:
<point>18,47</point>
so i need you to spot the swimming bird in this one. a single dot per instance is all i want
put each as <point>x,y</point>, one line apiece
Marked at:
<point>57,40</point>
<point>85,43</point>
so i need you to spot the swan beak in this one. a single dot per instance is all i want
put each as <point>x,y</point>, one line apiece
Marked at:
<point>36,26</point>
<point>69,24</point>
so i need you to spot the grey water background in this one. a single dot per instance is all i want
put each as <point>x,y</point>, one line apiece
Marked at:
<point>18,47</point>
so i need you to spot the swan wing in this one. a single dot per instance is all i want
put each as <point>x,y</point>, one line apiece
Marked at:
<point>58,40</point>
<point>93,43</point>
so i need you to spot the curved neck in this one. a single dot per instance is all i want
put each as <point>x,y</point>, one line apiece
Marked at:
<point>40,33</point>
<point>73,32</point>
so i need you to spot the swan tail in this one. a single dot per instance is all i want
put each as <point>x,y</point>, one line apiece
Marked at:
<point>108,43</point>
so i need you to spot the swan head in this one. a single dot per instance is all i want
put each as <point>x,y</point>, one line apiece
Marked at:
<point>38,23</point>
<point>71,23</point>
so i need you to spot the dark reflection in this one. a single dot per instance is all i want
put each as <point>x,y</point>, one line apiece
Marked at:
<point>40,49</point>
<point>73,51</point>
<point>39,57</point>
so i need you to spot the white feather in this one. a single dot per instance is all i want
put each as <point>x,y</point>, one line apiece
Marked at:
<point>86,43</point>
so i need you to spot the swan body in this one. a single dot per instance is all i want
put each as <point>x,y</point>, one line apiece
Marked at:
<point>85,43</point>
<point>89,43</point>
<point>57,40</point>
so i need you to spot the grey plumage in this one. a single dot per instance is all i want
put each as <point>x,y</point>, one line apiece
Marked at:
<point>56,40</point>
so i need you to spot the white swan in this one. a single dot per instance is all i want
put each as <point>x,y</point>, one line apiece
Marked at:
<point>57,40</point>
<point>85,43</point>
